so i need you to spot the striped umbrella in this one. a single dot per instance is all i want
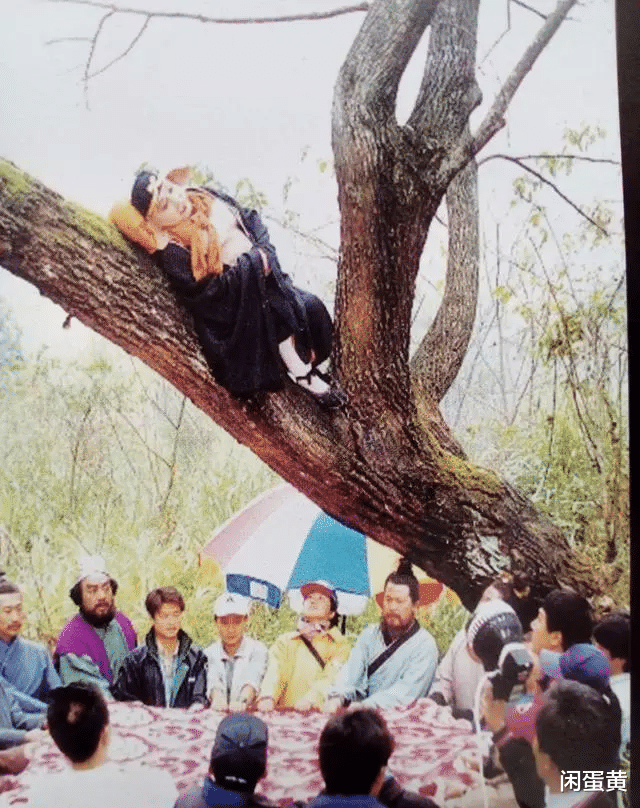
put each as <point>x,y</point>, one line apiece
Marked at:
<point>282,540</point>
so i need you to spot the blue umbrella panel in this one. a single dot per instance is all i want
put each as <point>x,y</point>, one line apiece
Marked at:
<point>333,553</point>
<point>282,540</point>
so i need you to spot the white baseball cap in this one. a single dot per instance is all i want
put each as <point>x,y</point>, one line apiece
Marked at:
<point>231,603</point>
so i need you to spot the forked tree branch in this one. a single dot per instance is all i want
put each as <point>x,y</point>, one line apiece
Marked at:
<point>494,119</point>
<point>124,53</point>
<point>114,8</point>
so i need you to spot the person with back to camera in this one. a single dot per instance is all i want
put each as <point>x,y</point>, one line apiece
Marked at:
<point>353,752</point>
<point>577,731</point>
<point>238,762</point>
<point>255,327</point>
<point>78,719</point>
<point>169,670</point>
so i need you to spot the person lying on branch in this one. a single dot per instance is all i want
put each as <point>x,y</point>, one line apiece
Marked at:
<point>254,326</point>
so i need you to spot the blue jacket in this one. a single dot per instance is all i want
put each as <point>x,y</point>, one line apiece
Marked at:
<point>14,724</point>
<point>342,801</point>
<point>212,795</point>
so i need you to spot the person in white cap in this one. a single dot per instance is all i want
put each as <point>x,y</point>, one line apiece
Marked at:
<point>94,643</point>
<point>236,662</point>
<point>304,664</point>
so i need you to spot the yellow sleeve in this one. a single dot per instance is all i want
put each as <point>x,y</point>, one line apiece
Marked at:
<point>131,223</point>
<point>273,682</point>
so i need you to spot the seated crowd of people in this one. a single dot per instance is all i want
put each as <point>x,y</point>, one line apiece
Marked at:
<point>573,717</point>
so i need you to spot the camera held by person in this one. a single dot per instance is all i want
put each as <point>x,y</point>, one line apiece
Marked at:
<point>495,639</point>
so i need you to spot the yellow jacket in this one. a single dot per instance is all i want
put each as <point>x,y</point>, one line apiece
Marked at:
<point>293,673</point>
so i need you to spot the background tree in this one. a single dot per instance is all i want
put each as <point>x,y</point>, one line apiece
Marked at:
<point>387,464</point>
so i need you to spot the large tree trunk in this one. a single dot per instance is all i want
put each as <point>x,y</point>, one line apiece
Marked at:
<point>386,464</point>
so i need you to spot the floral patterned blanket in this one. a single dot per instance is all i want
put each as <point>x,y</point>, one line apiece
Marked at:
<point>429,744</point>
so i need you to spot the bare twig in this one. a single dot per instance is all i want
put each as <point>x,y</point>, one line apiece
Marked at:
<point>126,51</point>
<point>174,456</point>
<point>326,250</point>
<point>528,8</point>
<point>552,185</point>
<point>494,120</point>
<point>114,8</point>
<point>68,39</point>
<point>500,37</point>
<point>545,156</point>
<point>568,361</point>
<point>92,50</point>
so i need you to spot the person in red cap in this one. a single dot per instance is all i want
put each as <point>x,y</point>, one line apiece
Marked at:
<point>304,664</point>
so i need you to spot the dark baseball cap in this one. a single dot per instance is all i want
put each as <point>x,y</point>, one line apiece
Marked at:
<point>239,754</point>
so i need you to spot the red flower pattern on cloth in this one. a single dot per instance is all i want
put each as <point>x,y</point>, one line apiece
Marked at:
<point>428,742</point>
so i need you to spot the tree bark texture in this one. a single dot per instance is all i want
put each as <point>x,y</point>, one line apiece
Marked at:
<point>380,470</point>
<point>387,463</point>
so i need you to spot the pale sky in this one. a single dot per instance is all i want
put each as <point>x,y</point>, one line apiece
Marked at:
<point>246,100</point>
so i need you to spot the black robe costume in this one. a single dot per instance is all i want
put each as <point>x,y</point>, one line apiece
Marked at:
<point>242,315</point>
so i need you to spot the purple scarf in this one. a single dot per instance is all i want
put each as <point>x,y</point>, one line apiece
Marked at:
<point>79,638</point>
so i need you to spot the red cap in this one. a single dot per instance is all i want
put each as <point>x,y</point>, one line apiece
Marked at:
<point>323,588</point>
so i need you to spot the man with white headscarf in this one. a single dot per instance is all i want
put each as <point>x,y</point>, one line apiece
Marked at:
<point>93,644</point>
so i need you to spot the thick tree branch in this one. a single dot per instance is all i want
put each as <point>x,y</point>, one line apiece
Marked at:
<point>439,356</point>
<point>447,97</point>
<point>448,91</point>
<point>380,239</point>
<point>369,78</point>
<point>380,468</point>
